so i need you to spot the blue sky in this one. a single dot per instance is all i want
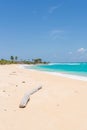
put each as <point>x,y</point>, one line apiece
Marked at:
<point>54,30</point>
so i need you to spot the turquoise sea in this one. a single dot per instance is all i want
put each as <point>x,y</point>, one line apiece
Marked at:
<point>79,68</point>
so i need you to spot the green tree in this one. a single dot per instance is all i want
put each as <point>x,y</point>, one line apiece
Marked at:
<point>38,60</point>
<point>12,58</point>
<point>16,58</point>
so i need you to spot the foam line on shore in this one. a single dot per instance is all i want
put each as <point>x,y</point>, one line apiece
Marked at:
<point>69,76</point>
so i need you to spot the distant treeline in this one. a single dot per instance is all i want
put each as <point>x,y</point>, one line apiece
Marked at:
<point>14,60</point>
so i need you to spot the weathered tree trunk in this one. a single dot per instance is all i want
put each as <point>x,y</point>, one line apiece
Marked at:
<point>26,97</point>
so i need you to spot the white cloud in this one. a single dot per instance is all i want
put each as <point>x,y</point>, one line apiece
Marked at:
<point>81,50</point>
<point>57,34</point>
<point>70,52</point>
<point>56,31</point>
<point>52,9</point>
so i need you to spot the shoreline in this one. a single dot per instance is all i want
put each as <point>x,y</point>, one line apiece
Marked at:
<point>66,75</point>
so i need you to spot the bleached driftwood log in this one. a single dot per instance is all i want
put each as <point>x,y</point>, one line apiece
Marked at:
<point>26,97</point>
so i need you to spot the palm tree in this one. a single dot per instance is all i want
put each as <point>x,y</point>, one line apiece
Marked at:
<point>16,58</point>
<point>12,58</point>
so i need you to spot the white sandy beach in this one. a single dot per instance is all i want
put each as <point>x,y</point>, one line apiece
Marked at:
<point>60,105</point>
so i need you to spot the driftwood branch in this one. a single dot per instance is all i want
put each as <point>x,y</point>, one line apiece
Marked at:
<point>26,97</point>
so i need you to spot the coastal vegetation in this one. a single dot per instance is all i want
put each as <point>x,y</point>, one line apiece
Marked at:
<point>15,60</point>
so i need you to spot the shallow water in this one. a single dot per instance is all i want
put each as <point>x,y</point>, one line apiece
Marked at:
<point>69,68</point>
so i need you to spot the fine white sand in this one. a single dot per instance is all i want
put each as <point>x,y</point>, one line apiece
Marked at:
<point>60,105</point>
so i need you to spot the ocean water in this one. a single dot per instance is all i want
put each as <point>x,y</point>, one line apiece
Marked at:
<point>64,68</point>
